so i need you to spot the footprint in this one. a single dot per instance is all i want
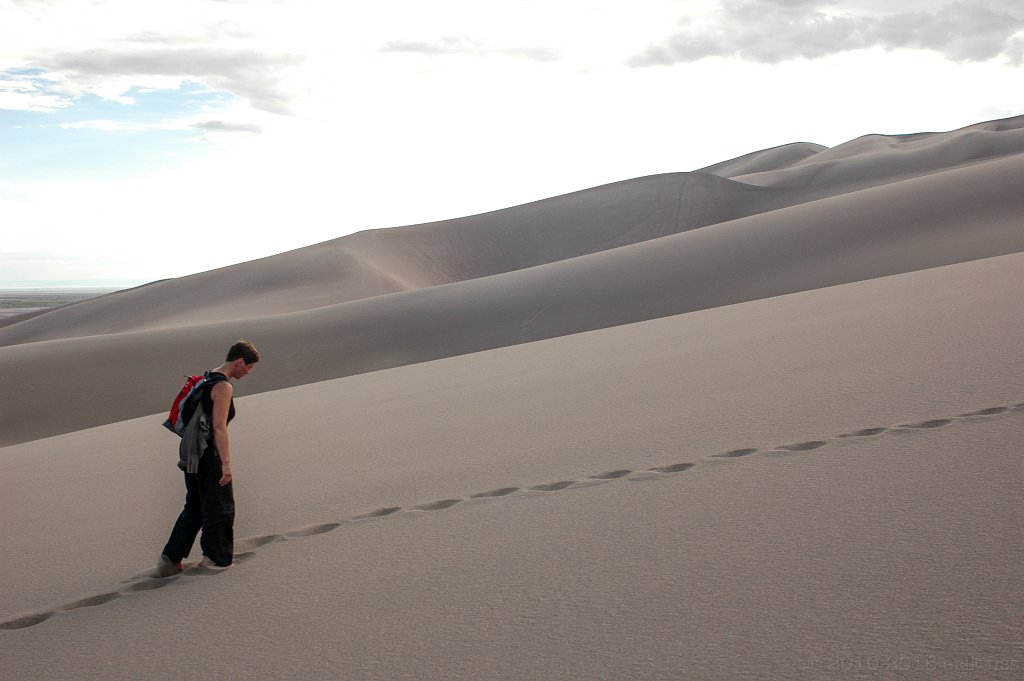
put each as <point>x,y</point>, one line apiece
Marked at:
<point>151,584</point>
<point>250,543</point>
<point>91,601</point>
<point>379,513</point>
<point>313,530</point>
<point>151,573</point>
<point>26,621</point>
<point>644,476</point>
<point>611,475</point>
<point>1018,407</point>
<point>934,423</point>
<point>674,468</point>
<point>735,453</point>
<point>242,557</point>
<point>867,432</point>
<point>987,412</point>
<point>437,505</point>
<point>553,486</point>
<point>803,446</point>
<point>495,493</point>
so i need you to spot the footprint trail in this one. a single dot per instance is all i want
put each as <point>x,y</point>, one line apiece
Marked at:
<point>246,547</point>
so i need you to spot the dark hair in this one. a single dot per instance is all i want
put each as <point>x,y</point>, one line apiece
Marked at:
<point>243,349</point>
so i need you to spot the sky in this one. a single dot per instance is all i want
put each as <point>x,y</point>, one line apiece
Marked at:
<point>142,140</point>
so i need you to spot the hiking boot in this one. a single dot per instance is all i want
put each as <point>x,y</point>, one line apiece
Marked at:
<point>165,567</point>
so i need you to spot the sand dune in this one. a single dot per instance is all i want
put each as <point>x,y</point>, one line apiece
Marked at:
<point>767,159</point>
<point>796,453</point>
<point>761,420</point>
<point>380,262</point>
<point>963,214</point>
<point>873,159</point>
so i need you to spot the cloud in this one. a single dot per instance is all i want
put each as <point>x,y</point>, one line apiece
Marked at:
<point>215,126</point>
<point>461,45</point>
<point>107,125</point>
<point>771,31</point>
<point>211,31</point>
<point>258,77</point>
<point>225,126</point>
<point>1015,52</point>
<point>30,90</point>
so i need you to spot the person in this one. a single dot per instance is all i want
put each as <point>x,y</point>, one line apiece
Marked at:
<point>209,496</point>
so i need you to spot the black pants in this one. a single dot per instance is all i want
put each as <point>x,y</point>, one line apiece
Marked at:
<point>209,507</point>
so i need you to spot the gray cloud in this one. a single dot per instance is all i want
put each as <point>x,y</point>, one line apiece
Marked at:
<point>787,4</point>
<point>256,76</point>
<point>771,31</point>
<point>468,46</point>
<point>1015,52</point>
<point>224,126</point>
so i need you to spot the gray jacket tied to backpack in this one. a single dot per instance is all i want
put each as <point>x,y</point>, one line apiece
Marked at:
<point>194,441</point>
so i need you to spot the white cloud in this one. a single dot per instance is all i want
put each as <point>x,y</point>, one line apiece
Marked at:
<point>104,125</point>
<point>30,92</point>
<point>106,47</point>
<point>28,101</point>
<point>468,46</point>
<point>256,76</point>
<point>185,124</point>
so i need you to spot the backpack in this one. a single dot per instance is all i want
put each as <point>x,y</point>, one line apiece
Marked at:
<point>188,400</point>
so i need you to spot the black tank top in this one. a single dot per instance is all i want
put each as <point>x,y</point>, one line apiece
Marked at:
<point>208,400</point>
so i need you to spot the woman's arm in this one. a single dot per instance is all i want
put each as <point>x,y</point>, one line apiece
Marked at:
<point>221,395</point>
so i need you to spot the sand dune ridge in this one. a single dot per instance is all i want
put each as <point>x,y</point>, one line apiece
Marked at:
<point>627,252</point>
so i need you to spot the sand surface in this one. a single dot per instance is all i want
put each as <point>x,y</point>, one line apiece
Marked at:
<point>782,444</point>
